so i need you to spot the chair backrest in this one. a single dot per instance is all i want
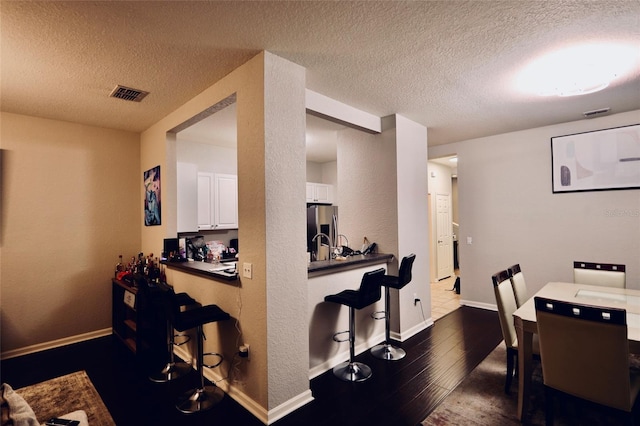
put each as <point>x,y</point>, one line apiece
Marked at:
<point>165,297</point>
<point>404,274</point>
<point>506,301</point>
<point>519,285</point>
<point>604,274</point>
<point>585,351</point>
<point>370,291</point>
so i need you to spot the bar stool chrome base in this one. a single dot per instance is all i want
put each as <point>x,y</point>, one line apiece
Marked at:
<point>352,371</point>
<point>171,371</point>
<point>388,352</point>
<point>201,399</point>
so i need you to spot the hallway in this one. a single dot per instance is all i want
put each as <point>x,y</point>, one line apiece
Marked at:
<point>443,299</point>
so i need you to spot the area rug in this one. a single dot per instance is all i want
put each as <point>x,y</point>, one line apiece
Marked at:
<point>480,400</point>
<point>56,397</point>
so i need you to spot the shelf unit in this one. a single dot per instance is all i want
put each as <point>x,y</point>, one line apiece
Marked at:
<point>135,322</point>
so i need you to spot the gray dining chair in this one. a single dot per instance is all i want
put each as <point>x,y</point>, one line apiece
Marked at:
<point>519,284</point>
<point>602,274</point>
<point>585,353</point>
<point>506,303</point>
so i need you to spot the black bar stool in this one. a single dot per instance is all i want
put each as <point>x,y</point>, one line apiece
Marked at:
<point>203,397</point>
<point>172,369</point>
<point>386,350</point>
<point>368,293</point>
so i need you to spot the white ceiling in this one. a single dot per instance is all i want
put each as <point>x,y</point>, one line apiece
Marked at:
<point>448,65</point>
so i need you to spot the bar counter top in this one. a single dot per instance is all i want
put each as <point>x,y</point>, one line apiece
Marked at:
<point>323,267</point>
<point>222,271</point>
<point>225,270</point>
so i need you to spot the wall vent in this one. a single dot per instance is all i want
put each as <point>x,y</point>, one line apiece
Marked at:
<point>128,94</point>
<point>590,114</point>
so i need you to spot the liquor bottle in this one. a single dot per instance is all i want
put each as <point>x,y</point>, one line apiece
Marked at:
<point>119,267</point>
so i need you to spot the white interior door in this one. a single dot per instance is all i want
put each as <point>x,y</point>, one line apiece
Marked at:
<point>444,256</point>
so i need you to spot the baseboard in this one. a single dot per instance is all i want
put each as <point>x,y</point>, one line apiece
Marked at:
<point>235,392</point>
<point>406,334</point>
<point>290,406</point>
<point>487,306</point>
<point>55,343</point>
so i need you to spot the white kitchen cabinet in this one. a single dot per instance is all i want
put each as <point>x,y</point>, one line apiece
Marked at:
<point>187,197</point>
<point>206,193</point>
<point>226,201</point>
<point>217,201</point>
<point>319,193</point>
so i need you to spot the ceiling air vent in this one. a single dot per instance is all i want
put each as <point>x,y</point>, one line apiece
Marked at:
<point>128,94</point>
<point>595,112</point>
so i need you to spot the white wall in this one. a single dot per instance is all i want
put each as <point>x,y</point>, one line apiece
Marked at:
<point>208,158</point>
<point>413,227</point>
<point>508,208</point>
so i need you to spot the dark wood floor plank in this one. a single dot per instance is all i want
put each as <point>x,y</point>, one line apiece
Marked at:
<point>399,393</point>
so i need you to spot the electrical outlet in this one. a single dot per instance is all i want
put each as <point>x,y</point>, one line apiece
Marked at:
<point>247,270</point>
<point>415,299</point>
<point>243,351</point>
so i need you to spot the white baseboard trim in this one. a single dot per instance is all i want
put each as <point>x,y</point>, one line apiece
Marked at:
<point>55,343</point>
<point>290,406</point>
<point>235,392</point>
<point>487,306</point>
<point>406,334</point>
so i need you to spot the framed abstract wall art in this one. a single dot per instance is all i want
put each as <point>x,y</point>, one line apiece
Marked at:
<point>151,181</point>
<point>596,161</point>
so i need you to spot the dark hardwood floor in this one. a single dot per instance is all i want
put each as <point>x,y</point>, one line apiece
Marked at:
<point>399,393</point>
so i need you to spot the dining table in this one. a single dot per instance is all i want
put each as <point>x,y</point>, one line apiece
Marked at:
<point>525,323</point>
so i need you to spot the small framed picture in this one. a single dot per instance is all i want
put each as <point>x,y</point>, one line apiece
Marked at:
<point>596,161</point>
<point>152,200</point>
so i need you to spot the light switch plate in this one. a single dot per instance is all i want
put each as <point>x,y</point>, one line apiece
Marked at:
<point>247,270</point>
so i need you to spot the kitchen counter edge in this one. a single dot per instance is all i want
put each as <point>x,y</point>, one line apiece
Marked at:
<point>201,269</point>
<point>324,267</point>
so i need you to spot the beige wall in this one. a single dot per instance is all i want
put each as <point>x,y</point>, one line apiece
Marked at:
<point>69,208</point>
<point>270,308</point>
<point>507,207</point>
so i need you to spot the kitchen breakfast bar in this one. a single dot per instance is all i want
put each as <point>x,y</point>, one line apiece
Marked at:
<point>324,319</point>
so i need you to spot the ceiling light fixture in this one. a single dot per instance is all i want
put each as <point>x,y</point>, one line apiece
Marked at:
<point>578,70</point>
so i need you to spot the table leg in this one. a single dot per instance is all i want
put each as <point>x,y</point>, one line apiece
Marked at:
<point>525,355</point>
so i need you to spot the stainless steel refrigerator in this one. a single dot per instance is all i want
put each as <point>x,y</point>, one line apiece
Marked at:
<point>321,219</point>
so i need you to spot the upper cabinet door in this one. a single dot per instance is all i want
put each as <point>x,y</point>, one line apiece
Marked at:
<point>311,192</point>
<point>187,178</point>
<point>323,193</point>
<point>226,201</point>
<point>319,193</point>
<point>205,200</point>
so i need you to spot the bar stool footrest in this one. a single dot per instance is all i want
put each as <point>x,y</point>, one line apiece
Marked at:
<point>378,315</point>
<point>338,339</point>
<point>220,359</point>
<point>181,335</point>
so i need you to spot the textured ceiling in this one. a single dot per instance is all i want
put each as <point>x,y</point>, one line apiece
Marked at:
<point>448,65</point>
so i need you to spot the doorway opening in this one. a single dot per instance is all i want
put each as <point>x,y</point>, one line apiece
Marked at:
<point>443,238</point>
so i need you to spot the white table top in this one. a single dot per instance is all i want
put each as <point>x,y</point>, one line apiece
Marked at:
<point>608,297</point>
